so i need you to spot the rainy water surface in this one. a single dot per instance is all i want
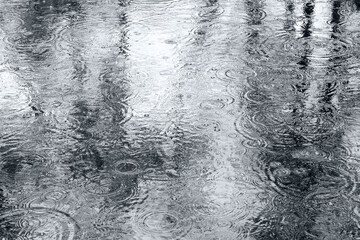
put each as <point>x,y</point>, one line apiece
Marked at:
<point>179,119</point>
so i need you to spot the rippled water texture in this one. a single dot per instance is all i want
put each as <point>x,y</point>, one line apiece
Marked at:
<point>174,119</point>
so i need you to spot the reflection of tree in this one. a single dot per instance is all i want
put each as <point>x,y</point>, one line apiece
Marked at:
<point>357,4</point>
<point>306,33</point>
<point>33,35</point>
<point>101,117</point>
<point>303,159</point>
<point>36,39</point>
<point>30,48</point>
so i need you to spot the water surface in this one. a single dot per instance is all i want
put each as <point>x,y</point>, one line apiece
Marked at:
<point>175,119</point>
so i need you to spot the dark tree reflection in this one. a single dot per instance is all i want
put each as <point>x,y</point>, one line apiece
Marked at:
<point>302,162</point>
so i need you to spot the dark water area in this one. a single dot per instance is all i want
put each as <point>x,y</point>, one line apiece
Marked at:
<point>178,119</point>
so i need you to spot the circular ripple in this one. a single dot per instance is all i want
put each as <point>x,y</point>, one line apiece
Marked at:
<point>256,96</point>
<point>213,11</point>
<point>123,113</point>
<point>103,185</point>
<point>255,15</point>
<point>248,130</point>
<point>109,186</point>
<point>127,167</point>
<point>114,93</point>
<point>207,124</point>
<point>237,74</point>
<point>227,72</point>
<point>55,195</point>
<point>51,199</point>
<point>297,46</point>
<point>317,128</point>
<point>137,77</point>
<point>24,41</point>
<point>84,32</point>
<point>153,174</point>
<point>332,48</point>
<point>38,223</point>
<point>270,117</point>
<point>12,23</point>
<point>234,90</point>
<point>273,80</point>
<point>318,181</point>
<point>163,224</point>
<point>136,31</point>
<point>200,32</point>
<point>222,206</point>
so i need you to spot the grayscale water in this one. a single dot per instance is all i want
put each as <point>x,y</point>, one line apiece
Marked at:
<point>179,119</point>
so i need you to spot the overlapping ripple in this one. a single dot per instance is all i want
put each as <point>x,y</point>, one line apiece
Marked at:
<point>310,178</point>
<point>179,119</point>
<point>52,199</point>
<point>160,223</point>
<point>107,185</point>
<point>223,206</point>
<point>38,223</point>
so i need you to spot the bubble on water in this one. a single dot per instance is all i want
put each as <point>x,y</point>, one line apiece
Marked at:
<point>38,223</point>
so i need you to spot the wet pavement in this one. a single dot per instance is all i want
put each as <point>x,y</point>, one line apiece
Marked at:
<point>173,119</point>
